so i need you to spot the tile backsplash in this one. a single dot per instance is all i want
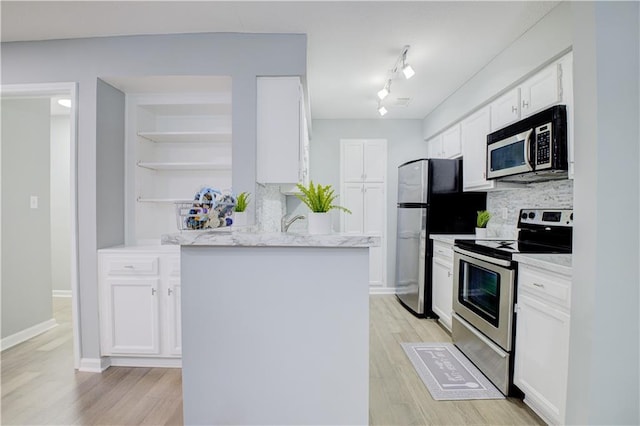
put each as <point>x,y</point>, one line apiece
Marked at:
<point>553,194</point>
<point>270,207</point>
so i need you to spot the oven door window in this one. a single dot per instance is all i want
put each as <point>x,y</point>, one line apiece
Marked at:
<point>479,291</point>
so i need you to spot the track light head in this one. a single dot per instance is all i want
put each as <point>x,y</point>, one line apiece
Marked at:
<point>383,93</point>
<point>408,71</point>
<point>382,110</point>
<point>385,90</point>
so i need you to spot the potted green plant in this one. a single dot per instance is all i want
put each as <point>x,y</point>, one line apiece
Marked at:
<point>240,210</point>
<point>320,200</point>
<point>481,223</point>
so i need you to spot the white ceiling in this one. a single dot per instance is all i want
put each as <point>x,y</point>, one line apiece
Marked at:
<point>351,45</point>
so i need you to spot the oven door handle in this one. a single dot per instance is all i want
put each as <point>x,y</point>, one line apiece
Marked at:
<point>478,256</point>
<point>480,336</point>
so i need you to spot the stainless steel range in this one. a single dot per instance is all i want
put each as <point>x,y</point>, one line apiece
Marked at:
<point>484,289</point>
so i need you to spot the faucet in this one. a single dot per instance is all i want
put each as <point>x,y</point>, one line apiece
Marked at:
<point>285,222</point>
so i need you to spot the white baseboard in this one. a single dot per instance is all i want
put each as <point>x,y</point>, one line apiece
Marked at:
<point>94,365</point>
<point>124,361</point>
<point>61,293</point>
<point>26,334</point>
<point>382,290</point>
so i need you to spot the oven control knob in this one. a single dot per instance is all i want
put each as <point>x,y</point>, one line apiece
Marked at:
<point>571,217</point>
<point>524,215</point>
<point>532,215</point>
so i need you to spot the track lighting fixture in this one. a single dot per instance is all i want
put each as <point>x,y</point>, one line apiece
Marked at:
<point>401,64</point>
<point>385,90</point>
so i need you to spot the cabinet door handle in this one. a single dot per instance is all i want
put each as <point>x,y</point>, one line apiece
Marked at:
<point>538,285</point>
<point>514,109</point>
<point>449,273</point>
<point>525,104</point>
<point>153,291</point>
<point>169,292</point>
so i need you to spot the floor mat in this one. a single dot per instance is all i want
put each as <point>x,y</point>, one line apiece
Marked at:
<point>448,374</point>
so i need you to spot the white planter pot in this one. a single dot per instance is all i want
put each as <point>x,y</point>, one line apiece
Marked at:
<point>239,218</point>
<point>319,223</point>
<point>481,233</point>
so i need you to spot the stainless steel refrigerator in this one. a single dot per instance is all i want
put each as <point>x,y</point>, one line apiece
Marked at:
<point>430,201</point>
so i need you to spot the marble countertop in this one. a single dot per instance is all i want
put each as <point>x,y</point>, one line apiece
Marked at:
<point>153,247</point>
<point>450,238</point>
<point>559,263</point>
<point>239,238</point>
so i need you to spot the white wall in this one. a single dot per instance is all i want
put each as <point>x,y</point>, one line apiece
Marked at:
<point>604,351</point>
<point>241,56</point>
<point>26,233</point>
<point>60,185</point>
<point>404,143</point>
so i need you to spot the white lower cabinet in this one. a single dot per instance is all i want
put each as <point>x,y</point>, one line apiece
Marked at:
<point>542,341</point>
<point>442,282</point>
<point>139,306</point>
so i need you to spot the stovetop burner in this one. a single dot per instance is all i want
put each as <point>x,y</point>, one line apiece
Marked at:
<point>539,231</point>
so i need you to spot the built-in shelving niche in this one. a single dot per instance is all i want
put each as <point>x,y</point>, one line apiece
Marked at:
<point>178,140</point>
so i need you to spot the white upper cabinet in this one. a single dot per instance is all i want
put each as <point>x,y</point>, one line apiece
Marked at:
<point>505,110</point>
<point>353,161</point>
<point>451,142</point>
<point>446,144</point>
<point>474,151</point>
<point>375,161</point>
<point>434,147</point>
<point>364,160</point>
<point>540,91</point>
<point>281,140</point>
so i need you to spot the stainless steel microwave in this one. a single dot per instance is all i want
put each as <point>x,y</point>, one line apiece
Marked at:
<point>533,149</point>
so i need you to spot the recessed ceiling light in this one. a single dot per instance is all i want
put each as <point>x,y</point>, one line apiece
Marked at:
<point>65,102</point>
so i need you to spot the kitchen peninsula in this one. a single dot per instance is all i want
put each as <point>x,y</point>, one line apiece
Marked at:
<point>275,327</point>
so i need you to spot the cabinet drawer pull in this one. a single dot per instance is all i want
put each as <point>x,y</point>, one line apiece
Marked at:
<point>153,291</point>
<point>538,285</point>
<point>129,267</point>
<point>169,291</point>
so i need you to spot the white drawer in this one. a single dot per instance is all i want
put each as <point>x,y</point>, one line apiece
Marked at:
<point>134,265</point>
<point>441,249</point>
<point>545,284</point>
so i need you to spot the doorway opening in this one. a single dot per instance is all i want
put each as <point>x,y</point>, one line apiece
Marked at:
<point>39,232</point>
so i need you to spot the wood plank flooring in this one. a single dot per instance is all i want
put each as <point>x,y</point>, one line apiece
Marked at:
<point>40,386</point>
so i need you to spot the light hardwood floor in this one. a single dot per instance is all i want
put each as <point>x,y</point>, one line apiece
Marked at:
<point>39,385</point>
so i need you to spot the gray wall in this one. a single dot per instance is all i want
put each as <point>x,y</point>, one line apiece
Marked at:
<point>605,315</point>
<point>110,135</point>
<point>26,261</point>
<point>404,143</point>
<point>241,56</point>
<point>61,203</point>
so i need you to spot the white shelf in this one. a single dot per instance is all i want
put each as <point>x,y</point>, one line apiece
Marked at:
<point>163,200</point>
<point>186,137</point>
<point>185,166</point>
